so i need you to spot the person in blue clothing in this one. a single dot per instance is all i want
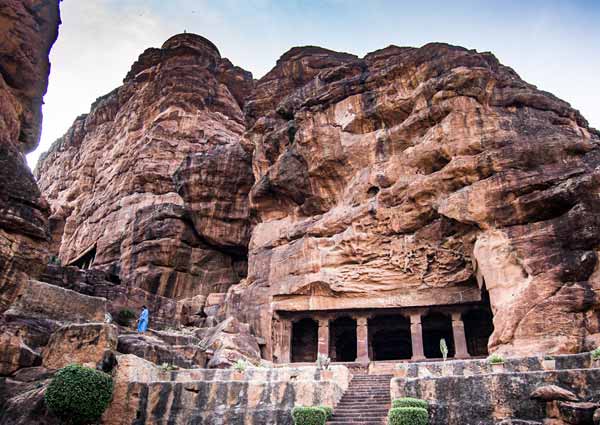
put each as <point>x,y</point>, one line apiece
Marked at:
<point>143,320</point>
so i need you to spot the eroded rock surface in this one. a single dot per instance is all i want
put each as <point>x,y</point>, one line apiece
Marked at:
<point>417,177</point>
<point>412,177</point>
<point>111,178</point>
<point>28,28</point>
<point>84,344</point>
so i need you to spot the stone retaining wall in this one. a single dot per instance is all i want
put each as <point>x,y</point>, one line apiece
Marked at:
<point>481,366</point>
<point>262,396</point>
<point>469,392</point>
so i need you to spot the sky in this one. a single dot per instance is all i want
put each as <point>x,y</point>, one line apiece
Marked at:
<point>554,44</point>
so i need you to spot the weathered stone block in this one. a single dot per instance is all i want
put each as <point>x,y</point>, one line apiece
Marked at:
<point>79,343</point>
<point>41,300</point>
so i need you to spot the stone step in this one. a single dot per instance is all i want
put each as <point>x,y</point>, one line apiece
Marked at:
<point>370,397</point>
<point>359,386</point>
<point>365,402</point>
<point>365,392</point>
<point>363,415</point>
<point>361,405</point>
<point>366,396</point>
<point>371,377</point>
<point>372,402</point>
<point>345,422</point>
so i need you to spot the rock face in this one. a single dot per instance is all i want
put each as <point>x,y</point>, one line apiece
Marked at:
<point>419,177</point>
<point>410,178</point>
<point>130,186</point>
<point>28,28</point>
<point>42,301</point>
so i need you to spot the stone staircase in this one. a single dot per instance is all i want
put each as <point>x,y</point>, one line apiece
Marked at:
<point>365,402</point>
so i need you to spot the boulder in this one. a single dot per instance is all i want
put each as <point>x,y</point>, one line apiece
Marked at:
<point>190,311</point>
<point>41,300</point>
<point>575,413</point>
<point>552,393</point>
<point>15,354</point>
<point>230,341</point>
<point>131,368</point>
<point>80,343</point>
<point>164,348</point>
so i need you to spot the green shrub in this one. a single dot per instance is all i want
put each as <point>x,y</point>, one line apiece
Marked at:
<point>595,354</point>
<point>167,367</point>
<point>408,416</point>
<point>240,365</point>
<point>124,317</point>
<point>309,416</point>
<point>78,394</point>
<point>328,411</point>
<point>495,359</point>
<point>410,402</point>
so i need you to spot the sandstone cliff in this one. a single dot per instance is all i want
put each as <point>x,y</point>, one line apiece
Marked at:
<point>142,185</point>
<point>28,28</point>
<point>417,177</point>
<point>411,177</point>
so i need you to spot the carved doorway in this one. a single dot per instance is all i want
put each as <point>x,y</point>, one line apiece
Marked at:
<point>305,335</point>
<point>435,327</point>
<point>342,339</point>
<point>478,328</point>
<point>389,338</point>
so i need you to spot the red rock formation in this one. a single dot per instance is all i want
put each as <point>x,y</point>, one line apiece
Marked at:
<point>398,179</point>
<point>124,178</point>
<point>28,29</point>
<point>409,178</point>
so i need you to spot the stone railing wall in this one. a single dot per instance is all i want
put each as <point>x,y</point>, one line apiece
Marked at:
<point>146,395</point>
<point>476,393</point>
<point>482,366</point>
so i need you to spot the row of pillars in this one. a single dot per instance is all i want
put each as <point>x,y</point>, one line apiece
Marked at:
<point>362,337</point>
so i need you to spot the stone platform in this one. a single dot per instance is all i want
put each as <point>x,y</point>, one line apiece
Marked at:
<point>473,392</point>
<point>146,394</point>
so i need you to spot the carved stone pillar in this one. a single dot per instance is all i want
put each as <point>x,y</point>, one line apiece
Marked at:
<point>362,340</point>
<point>416,333</point>
<point>324,337</point>
<point>460,341</point>
<point>284,341</point>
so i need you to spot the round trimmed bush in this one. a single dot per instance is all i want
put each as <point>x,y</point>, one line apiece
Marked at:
<point>78,394</point>
<point>408,416</point>
<point>328,411</point>
<point>309,416</point>
<point>410,402</point>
